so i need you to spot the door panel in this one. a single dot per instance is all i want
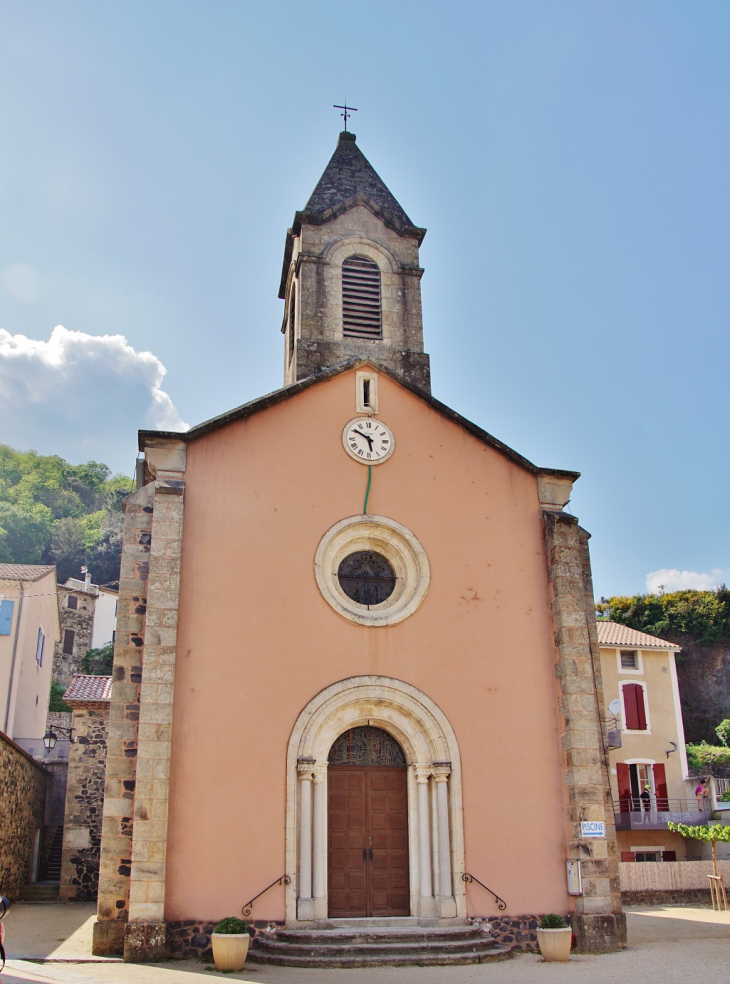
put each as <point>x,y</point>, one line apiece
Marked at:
<point>368,842</point>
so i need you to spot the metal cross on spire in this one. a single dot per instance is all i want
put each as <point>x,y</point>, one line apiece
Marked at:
<point>346,114</point>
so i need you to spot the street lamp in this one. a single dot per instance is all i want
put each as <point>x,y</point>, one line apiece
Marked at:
<point>50,737</point>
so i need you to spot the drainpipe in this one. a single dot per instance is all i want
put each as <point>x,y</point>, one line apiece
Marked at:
<point>12,660</point>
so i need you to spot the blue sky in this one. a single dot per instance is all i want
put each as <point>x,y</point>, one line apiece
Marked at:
<point>569,159</point>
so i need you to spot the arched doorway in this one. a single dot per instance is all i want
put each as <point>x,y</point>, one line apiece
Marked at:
<point>435,833</point>
<point>367,822</point>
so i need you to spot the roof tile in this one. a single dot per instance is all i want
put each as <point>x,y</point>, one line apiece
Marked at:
<point>616,634</point>
<point>85,688</point>
<point>24,572</point>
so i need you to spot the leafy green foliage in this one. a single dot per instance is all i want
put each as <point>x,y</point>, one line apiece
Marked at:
<point>55,699</point>
<point>56,513</point>
<point>231,925</point>
<point>723,732</point>
<point>703,756</point>
<point>552,921</point>
<point>98,662</point>
<point>725,798</point>
<point>705,833</point>
<point>705,615</point>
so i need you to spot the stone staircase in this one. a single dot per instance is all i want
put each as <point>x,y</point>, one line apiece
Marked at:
<point>40,891</point>
<point>372,944</point>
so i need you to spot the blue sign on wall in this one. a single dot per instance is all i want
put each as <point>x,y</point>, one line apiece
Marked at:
<point>592,828</point>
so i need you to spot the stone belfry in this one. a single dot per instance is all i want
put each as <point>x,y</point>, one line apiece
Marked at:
<point>351,279</point>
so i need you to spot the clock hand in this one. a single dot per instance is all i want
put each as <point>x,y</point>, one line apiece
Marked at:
<point>367,438</point>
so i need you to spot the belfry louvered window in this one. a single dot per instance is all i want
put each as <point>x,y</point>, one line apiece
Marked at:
<point>361,298</point>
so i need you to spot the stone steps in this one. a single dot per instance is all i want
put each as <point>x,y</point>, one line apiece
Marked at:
<point>42,891</point>
<point>379,947</point>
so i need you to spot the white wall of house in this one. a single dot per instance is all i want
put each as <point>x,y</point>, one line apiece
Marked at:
<point>105,618</point>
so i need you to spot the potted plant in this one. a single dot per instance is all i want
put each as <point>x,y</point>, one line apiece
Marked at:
<point>554,937</point>
<point>230,940</point>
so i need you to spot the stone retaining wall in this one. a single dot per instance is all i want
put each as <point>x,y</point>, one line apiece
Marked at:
<point>23,784</point>
<point>189,939</point>
<point>686,896</point>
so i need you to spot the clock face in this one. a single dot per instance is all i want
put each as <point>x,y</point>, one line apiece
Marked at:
<point>368,440</point>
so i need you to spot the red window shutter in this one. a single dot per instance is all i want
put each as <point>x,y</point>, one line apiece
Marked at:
<point>628,856</point>
<point>660,784</point>
<point>634,707</point>
<point>669,855</point>
<point>623,776</point>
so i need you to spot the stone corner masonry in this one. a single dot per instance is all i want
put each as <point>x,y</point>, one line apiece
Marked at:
<point>134,829</point>
<point>598,922</point>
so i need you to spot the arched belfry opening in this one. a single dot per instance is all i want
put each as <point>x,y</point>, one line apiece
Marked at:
<point>374,815</point>
<point>367,822</point>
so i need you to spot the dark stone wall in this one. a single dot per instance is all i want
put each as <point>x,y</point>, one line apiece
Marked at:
<point>22,795</point>
<point>84,805</point>
<point>81,620</point>
<point>687,896</point>
<point>189,939</point>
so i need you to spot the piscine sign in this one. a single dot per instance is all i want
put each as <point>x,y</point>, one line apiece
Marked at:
<point>592,828</point>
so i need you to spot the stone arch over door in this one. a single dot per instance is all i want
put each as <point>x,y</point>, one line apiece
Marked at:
<point>435,819</point>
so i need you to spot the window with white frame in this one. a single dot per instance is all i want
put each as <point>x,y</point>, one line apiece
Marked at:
<point>40,646</point>
<point>629,659</point>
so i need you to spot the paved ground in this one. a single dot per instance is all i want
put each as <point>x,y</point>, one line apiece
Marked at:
<point>671,944</point>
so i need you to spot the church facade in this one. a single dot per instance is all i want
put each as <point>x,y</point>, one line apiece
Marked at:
<point>356,655</point>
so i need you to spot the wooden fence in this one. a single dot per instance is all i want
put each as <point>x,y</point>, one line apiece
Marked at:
<point>669,876</point>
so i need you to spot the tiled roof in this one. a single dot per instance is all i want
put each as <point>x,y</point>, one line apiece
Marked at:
<point>24,572</point>
<point>348,175</point>
<point>90,689</point>
<point>616,634</point>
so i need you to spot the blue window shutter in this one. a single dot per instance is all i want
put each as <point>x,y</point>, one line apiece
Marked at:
<point>6,616</point>
<point>39,647</point>
<point>43,646</point>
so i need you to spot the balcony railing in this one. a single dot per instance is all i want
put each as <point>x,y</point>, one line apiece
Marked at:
<point>632,814</point>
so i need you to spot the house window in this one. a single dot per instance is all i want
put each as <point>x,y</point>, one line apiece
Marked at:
<point>68,642</point>
<point>629,659</point>
<point>648,856</point>
<point>367,392</point>
<point>361,315</point>
<point>6,616</point>
<point>634,707</point>
<point>40,646</point>
<point>292,321</point>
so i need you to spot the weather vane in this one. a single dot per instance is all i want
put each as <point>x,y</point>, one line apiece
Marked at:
<point>346,114</point>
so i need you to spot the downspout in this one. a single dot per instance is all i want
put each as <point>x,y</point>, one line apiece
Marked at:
<point>12,660</point>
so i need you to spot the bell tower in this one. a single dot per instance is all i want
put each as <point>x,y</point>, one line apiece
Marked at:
<point>351,279</point>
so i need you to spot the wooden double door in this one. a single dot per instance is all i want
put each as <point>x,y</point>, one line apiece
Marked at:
<point>368,841</point>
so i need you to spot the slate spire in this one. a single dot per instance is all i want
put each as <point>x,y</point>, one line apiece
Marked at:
<point>350,179</point>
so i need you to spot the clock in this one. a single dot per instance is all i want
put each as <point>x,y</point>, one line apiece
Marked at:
<point>368,440</point>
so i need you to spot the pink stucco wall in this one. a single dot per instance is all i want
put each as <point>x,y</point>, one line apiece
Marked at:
<point>257,641</point>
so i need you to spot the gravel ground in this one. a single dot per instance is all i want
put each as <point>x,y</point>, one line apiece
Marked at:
<point>671,944</point>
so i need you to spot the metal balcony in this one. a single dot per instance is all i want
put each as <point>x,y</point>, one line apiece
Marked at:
<point>631,814</point>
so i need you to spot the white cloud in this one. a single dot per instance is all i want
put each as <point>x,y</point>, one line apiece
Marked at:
<point>81,396</point>
<point>22,282</point>
<point>671,579</point>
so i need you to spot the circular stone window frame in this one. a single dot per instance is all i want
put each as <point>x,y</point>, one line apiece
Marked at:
<point>397,544</point>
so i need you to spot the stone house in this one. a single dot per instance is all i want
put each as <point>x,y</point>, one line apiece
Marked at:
<point>87,614</point>
<point>409,628</point>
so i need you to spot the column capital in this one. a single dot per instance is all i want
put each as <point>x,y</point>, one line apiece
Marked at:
<point>305,767</point>
<point>423,772</point>
<point>319,772</point>
<point>441,771</point>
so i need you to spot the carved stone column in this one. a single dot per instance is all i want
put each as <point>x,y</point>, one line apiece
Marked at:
<point>305,903</point>
<point>446,900</point>
<point>319,842</point>
<point>426,902</point>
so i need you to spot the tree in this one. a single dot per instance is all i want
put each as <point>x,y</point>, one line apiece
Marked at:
<point>27,532</point>
<point>723,731</point>
<point>706,834</point>
<point>99,662</point>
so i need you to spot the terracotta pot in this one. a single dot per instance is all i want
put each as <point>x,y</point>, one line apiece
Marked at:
<point>555,943</point>
<point>230,950</point>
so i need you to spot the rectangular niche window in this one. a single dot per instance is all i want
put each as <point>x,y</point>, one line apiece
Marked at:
<point>367,392</point>
<point>72,602</point>
<point>68,642</point>
<point>629,659</point>
<point>361,314</point>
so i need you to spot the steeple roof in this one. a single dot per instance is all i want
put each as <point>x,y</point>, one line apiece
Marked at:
<point>350,176</point>
<point>349,180</point>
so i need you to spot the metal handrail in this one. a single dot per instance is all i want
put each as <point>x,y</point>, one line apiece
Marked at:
<point>246,908</point>
<point>501,904</point>
<point>657,804</point>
